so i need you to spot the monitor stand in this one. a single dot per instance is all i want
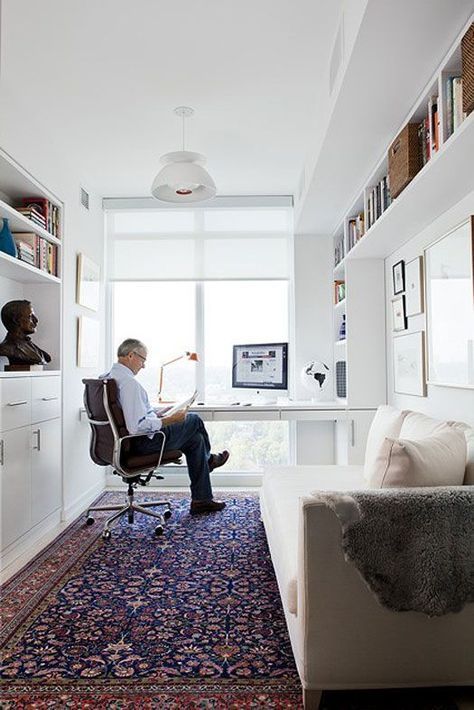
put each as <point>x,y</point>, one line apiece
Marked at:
<point>262,398</point>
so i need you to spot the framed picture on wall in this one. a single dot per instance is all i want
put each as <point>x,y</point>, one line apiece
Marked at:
<point>88,338</point>
<point>398,277</point>
<point>414,286</point>
<point>409,364</point>
<point>87,283</point>
<point>399,319</point>
<point>449,265</point>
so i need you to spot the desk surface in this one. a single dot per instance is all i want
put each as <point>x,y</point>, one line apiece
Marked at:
<point>304,405</point>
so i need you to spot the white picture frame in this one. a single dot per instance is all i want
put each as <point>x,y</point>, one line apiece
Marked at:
<point>414,300</point>
<point>409,364</point>
<point>449,298</point>
<point>88,283</point>
<point>88,340</point>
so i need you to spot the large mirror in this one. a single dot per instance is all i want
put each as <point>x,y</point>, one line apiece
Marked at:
<point>450,307</point>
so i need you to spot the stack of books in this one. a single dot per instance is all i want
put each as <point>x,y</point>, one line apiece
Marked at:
<point>377,200</point>
<point>37,251</point>
<point>454,113</point>
<point>26,250</point>
<point>43,212</point>
<point>355,229</point>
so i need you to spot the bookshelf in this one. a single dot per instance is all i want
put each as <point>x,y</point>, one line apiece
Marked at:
<point>444,179</point>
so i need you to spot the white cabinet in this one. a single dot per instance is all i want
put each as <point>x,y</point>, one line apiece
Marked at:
<point>30,452</point>
<point>351,436</point>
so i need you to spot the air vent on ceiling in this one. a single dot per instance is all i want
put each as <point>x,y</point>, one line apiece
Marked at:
<point>84,198</point>
<point>337,55</point>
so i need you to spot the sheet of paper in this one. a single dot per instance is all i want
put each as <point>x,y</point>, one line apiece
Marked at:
<point>179,406</point>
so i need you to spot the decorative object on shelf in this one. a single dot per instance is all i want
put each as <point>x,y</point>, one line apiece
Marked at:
<point>339,290</point>
<point>20,321</point>
<point>398,277</point>
<point>414,286</point>
<point>342,328</point>
<point>449,265</point>
<point>467,54</point>
<point>409,364</point>
<point>341,379</point>
<point>314,378</point>
<point>87,283</point>
<point>399,319</point>
<point>88,339</point>
<point>7,243</point>
<point>188,355</point>
<point>183,177</point>
<point>404,159</point>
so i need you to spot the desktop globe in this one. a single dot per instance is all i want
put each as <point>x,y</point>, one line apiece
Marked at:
<point>314,377</point>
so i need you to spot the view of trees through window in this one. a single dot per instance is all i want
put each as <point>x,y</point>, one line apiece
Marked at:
<point>166,317</point>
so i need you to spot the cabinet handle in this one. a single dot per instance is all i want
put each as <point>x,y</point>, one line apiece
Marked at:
<point>2,452</point>
<point>352,432</point>
<point>48,399</point>
<point>38,440</point>
<point>15,404</point>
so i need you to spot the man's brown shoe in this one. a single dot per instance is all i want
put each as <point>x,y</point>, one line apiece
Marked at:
<point>217,460</point>
<point>206,506</point>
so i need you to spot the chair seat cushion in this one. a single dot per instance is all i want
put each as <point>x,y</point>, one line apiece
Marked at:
<point>139,462</point>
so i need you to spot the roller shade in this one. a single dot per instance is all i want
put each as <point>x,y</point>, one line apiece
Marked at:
<point>198,244</point>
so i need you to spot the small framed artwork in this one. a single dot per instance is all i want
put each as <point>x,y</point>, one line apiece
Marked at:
<point>399,319</point>
<point>409,364</point>
<point>414,287</point>
<point>398,277</point>
<point>87,283</point>
<point>88,338</point>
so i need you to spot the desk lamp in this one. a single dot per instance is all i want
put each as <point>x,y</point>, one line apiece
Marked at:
<point>187,355</point>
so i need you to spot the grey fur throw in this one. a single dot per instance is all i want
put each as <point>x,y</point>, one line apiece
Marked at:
<point>414,547</point>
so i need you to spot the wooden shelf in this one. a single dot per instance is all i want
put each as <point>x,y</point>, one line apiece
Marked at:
<point>12,268</point>
<point>19,223</point>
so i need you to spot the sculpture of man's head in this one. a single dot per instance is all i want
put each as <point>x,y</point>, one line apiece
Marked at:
<point>19,317</point>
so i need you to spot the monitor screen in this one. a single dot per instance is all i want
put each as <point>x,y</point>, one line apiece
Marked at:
<point>262,366</point>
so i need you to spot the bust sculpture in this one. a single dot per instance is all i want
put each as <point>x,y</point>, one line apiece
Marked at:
<point>20,321</point>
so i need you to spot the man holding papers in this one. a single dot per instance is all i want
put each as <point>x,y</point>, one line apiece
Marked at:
<point>184,430</point>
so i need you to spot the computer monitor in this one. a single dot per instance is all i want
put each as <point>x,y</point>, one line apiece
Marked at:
<point>260,366</point>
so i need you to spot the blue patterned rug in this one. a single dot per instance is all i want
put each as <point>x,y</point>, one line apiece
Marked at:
<point>189,620</point>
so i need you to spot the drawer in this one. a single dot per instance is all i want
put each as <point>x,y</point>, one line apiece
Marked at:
<point>45,398</point>
<point>15,402</point>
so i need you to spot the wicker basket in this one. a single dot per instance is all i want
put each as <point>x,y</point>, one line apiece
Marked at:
<point>404,159</point>
<point>467,52</point>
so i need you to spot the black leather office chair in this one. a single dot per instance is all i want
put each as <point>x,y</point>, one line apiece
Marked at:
<point>111,445</point>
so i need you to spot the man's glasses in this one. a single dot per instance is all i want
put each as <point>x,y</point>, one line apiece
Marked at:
<point>142,358</point>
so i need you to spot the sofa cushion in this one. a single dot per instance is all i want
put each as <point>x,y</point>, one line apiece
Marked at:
<point>436,460</point>
<point>468,432</point>
<point>387,422</point>
<point>280,495</point>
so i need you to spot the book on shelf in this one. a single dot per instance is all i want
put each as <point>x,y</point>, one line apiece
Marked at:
<point>433,117</point>
<point>48,212</point>
<point>37,251</point>
<point>339,290</point>
<point>377,200</point>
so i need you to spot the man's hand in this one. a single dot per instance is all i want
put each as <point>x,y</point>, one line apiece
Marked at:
<point>175,418</point>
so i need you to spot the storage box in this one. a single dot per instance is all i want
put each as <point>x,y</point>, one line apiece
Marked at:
<point>467,53</point>
<point>404,159</point>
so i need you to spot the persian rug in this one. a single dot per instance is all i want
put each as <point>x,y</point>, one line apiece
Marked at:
<point>189,620</point>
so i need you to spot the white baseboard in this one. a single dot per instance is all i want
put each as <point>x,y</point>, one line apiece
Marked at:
<point>28,545</point>
<point>80,504</point>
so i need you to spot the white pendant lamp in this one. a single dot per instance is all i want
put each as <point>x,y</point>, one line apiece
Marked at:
<point>183,177</point>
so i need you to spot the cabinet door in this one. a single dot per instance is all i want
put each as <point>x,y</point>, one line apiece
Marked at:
<point>45,398</point>
<point>15,402</point>
<point>15,483</point>
<point>359,422</point>
<point>45,469</point>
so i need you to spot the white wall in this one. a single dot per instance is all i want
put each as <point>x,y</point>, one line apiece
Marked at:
<point>441,402</point>
<point>32,145</point>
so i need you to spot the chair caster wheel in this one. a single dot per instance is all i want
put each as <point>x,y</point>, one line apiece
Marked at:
<point>90,520</point>
<point>106,535</point>
<point>159,530</point>
<point>167,514</point>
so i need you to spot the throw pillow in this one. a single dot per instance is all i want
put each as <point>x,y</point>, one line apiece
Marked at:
<point>437,460</point>
<point>386,422</point>
<point>416,426</point>
<point>469,434</point>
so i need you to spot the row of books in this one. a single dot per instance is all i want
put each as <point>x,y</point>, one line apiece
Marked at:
<point>428,131</point>
<point>43,213</point>
<point>355,229</point>
<point>377,200</point>
<point>37,251</point>
<point>339,291</point>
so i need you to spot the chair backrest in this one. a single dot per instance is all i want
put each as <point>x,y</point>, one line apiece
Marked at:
<point>103,436</point>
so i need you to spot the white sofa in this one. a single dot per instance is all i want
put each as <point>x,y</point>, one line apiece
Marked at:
<point>341,636</point>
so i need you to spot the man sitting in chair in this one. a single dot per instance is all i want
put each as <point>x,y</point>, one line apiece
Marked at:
<point>183,430</point>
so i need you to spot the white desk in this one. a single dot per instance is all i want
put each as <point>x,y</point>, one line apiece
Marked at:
<point>285,411</point>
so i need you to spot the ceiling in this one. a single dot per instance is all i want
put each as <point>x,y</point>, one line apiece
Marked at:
<point>107,74</point>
